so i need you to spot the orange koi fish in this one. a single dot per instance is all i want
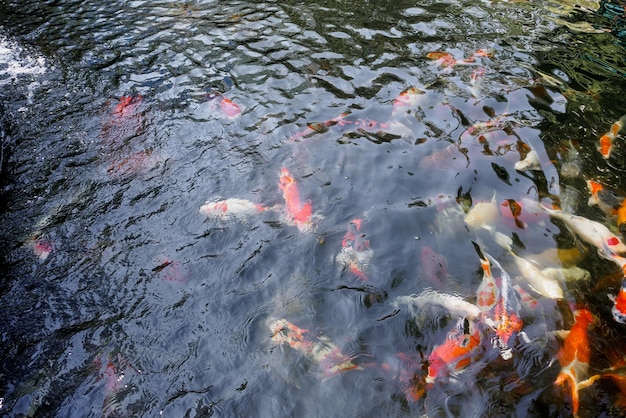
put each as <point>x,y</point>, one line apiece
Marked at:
<point>407,99</point>
<point>605,145</point>
<point>499,303</point>
<point>456,353</point>
<point>298,213</point>
<point>320,350</point>
<point>445,59</point>
<point>231,208</point>
<point>355,250</point>
<point>574,357</point>
<point>229,108</point>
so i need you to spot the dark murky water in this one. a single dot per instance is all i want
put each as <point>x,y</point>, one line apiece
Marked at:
<point>121,119</point>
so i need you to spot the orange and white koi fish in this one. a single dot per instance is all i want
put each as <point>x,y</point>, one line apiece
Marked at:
<point>605,145</point>
<point>297,213</point>
<point>231,208</point>
<point>320,350</point>
<point>408,99</point>
<point>592,232</point>
<point>610,203</point>
<point>226,106</point>
<point>499,303</point>
<point>356,253</point>
<point>456,353</point>
<point>574,357</point>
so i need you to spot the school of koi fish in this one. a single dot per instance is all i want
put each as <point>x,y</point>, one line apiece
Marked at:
<point>495,326</point>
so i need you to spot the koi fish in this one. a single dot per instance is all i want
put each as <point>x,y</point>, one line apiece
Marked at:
<point>605,145</point>
<point>499,303</point>
<point>611,204</point>
<point>592,232</point>
<point>42,248</point>
<point>444,59</point>
<point>482,214</point>
<point>355,250</point>
<point>530,162</point>
<point>511,208</point>
<point>574,357</point>
<point>536,278</point>
<point>455,305</point>
<point>226,106</point>
<point>456,353</point>
<point>231,208</point>
<point>407,99</point>
<point>323,352</point>
<point>619,304</point>
<point>298,213</point>
<point>127,105</point>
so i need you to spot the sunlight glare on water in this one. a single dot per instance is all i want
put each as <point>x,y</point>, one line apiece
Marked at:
<point>312,209</point>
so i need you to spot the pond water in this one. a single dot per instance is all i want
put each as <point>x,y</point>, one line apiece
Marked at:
<point>340,149</point>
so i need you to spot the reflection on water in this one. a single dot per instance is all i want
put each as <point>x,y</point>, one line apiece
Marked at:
<point>266,209</point>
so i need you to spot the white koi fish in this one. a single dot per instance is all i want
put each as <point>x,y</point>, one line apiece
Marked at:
<point>231,208</point>
<point>455,305</point>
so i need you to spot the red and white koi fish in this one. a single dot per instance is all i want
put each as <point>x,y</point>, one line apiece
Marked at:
<point>456,353</point>
<point>297,213</point>
<point>605,145</point>
<point>356,253</point>
<point>619,304</point>
<point>592,232</point>
<point>408,99</point>
<point>499,303</point>
<point>574,357</point>
<point>231,208</point>
<point>320,350</point>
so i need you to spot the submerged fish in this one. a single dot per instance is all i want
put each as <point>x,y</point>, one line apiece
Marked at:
<point>356,253</point>
<point>605,145</point>
<point>127,105</point>
<point>408,99</point>
<point>297,213</point>
<point>231,208</point>
<point>574,357</point>
<point>530,162</point>
<point>320,350</point>
<point>456,353</point>
<point>500,304</point>
<point>483,214</point>
<point>592,232</point>
<point>453,304</point>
